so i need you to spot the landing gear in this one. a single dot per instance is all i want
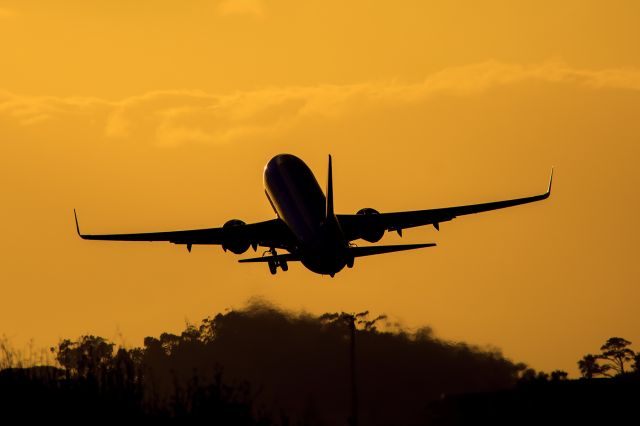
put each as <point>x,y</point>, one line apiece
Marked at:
<point>350,262</point>
<point>274,262</point>
<point>273,267</point>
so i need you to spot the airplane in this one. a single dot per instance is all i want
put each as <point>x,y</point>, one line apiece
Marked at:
<point>307,227</point>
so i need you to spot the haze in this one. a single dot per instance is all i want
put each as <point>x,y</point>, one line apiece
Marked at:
<point>160,115</point>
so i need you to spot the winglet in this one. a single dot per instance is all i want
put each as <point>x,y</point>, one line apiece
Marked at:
<point>77,226</point>
<point>329,211</point>
<point>550,182</point>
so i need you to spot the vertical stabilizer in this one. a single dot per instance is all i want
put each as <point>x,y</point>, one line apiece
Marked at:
<point>329,212</point>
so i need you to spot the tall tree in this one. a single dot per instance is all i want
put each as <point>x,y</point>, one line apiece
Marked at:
<point>617,353</point>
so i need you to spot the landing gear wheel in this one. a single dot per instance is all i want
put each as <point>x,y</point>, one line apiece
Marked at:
<point>273,268</point>
<point>284,265</point>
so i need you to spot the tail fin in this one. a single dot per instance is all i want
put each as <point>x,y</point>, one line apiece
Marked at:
<point>329,212</point>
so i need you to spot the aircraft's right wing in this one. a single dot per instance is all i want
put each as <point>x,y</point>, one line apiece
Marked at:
<point>356,226</point>
<point>271,233</point>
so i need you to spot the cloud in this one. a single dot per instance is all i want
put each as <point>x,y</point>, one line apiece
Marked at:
<point>241,7</point>
<point>29,110</point>
<point>171,118</point>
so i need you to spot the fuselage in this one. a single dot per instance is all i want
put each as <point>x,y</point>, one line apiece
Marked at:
<point>298,200</point>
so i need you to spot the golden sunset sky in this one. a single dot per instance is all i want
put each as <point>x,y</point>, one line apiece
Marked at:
<point>154,115</point>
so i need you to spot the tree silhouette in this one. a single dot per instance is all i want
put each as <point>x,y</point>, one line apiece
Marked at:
<point>557,375</point>
<point>292,367</point>
<point>84,357</point>
<point>616,352</point>
<point>589,367</point>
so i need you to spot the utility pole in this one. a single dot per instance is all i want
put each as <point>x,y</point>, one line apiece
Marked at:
<point>352,321</point>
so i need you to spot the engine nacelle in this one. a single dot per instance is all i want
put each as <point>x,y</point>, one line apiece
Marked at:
<point>372,234</point>
<point>238,246</point>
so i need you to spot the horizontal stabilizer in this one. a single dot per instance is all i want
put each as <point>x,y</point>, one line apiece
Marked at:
<point>279,257</point>
<point>371,250</point>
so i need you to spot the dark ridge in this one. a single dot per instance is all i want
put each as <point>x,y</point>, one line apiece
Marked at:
<point>259,365</point>
<point>601,401</point>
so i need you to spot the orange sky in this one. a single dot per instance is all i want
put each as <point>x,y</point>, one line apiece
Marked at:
<point>160,115</point>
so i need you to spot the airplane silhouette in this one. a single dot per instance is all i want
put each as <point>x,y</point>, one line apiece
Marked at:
<point>307,227</point>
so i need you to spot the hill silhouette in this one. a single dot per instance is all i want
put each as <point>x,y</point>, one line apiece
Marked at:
<point>259,365</point>
<point>301,365</point>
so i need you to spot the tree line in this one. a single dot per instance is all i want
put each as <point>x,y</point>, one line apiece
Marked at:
<point>263,366</point>
<point>259,365</point>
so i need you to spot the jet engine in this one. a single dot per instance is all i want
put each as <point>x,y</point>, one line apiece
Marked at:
<point>237,246</point>
<point>372,233</point>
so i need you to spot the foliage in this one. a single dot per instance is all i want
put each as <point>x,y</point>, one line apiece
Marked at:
<point>253,366</point>
<point>590,367</point>
<point>616,351</point>
<point>559,375</point>
<point>88,356</point>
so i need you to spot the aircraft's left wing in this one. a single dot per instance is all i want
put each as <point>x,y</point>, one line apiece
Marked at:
<point>271,233</point>
<point>356,226</point>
